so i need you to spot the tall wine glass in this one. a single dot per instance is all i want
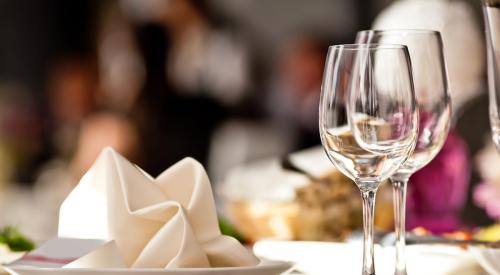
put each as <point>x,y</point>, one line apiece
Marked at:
<point>433,100</point>
<point>491,11</point>
<point>368,120</point>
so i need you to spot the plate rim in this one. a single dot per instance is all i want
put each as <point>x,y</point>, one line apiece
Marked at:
<point>263,265</point>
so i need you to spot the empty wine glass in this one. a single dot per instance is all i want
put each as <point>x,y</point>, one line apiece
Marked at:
<point>368,120</point>
<point>491,12</point>
<point>433,101</point>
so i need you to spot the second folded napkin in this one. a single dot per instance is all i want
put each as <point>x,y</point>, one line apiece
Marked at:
<point>164,222</point>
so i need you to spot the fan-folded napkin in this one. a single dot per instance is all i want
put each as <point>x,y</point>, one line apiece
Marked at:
<point>164,222</point>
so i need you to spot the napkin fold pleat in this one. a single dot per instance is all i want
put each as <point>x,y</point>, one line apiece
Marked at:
<point>200,207</point>
<point>182,252</point>
<point>127,190</point>
<point>167,222</point>
<point>225,251</point>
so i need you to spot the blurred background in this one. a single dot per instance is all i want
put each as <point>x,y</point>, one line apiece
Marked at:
<point>227,82</point>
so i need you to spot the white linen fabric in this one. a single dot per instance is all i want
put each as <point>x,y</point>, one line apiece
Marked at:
<point>167,222</point>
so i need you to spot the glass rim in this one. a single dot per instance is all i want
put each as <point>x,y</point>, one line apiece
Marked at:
<point>404,31</point>
<point>364,46</point>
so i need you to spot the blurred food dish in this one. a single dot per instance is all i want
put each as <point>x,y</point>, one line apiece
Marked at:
<point>266,200</point>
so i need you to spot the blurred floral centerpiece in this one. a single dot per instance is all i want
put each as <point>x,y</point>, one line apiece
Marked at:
<point>438,192</point>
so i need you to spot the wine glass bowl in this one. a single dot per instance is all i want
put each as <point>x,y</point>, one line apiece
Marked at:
<point>380,113</point>
<point>372,142</point>
<point>368,119</point>
<point>431,88</point>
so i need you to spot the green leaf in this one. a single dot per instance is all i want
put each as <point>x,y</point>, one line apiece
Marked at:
<point>16,241</point>
<point>228,229</point>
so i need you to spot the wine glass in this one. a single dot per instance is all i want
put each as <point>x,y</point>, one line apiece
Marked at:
<point>433,101</point>
<point>491,12</point>
<point>368,120</point>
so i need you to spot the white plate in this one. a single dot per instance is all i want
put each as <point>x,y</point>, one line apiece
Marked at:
<point>488,258</point>
<point>325,258</point>
<point>264,268</point>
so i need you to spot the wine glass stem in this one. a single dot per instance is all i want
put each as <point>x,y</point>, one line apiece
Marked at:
<point>368,197</point>
<point>399,184</point>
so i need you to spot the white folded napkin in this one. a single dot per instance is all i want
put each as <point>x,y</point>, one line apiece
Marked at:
<point>167,222</point>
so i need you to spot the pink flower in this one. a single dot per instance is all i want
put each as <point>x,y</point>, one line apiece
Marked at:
<point>438,191</point>
<point>487,195</point>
